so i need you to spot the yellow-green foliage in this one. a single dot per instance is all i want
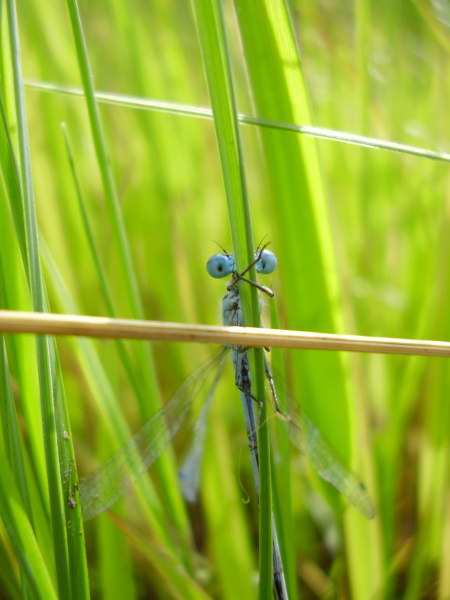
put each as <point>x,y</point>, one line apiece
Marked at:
<point>129,202</point>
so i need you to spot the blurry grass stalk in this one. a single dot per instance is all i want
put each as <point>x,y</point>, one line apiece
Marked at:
<point>174,108</point>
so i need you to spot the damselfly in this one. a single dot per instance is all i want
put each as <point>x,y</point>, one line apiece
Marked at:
<point>104,486</point>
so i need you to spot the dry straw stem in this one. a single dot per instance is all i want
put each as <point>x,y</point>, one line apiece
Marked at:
<point>105,327</point>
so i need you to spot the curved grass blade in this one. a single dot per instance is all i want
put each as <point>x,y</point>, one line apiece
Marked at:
<point>107,484</point>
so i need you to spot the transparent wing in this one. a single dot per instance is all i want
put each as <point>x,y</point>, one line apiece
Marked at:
<point>308,439</point>
<point>189,474</point>
<point>106,485</point>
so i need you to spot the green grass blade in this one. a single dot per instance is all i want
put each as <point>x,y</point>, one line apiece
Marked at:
<point>107,404</point>
<point>101,271</point>
<point>11,438</point>
<point>58,451</point>
<point>231,544</point>
<point>217,63</point>
<point>21,534</point>
<point>10,174</point>
<point>149,397</point>
<point>283,475</point>
<point>304,243</point>
<point>104,163</point>
<point>174,108</point>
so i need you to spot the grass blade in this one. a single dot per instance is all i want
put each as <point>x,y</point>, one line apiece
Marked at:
<point>149,397</point>
<point>217,63</point>
<point>298,198</point>
<point>68,547</point>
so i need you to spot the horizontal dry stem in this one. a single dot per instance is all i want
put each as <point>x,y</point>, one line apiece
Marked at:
<point>105,327</point>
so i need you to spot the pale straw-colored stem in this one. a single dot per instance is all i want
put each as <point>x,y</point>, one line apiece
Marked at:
<point>104,327</point>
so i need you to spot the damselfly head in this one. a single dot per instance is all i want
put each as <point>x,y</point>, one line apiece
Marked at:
<point>222,265</point>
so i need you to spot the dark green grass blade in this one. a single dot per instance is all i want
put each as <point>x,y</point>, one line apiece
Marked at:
<point>68,546</point>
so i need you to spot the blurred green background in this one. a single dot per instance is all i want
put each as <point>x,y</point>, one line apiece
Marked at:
<point>379,242</point>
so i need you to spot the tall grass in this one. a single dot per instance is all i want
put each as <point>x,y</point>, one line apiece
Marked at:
<point>117,216</point>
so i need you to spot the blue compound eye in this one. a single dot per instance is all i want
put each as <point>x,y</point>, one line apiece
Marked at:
<point>220,265</point>
<point>268,262</point>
